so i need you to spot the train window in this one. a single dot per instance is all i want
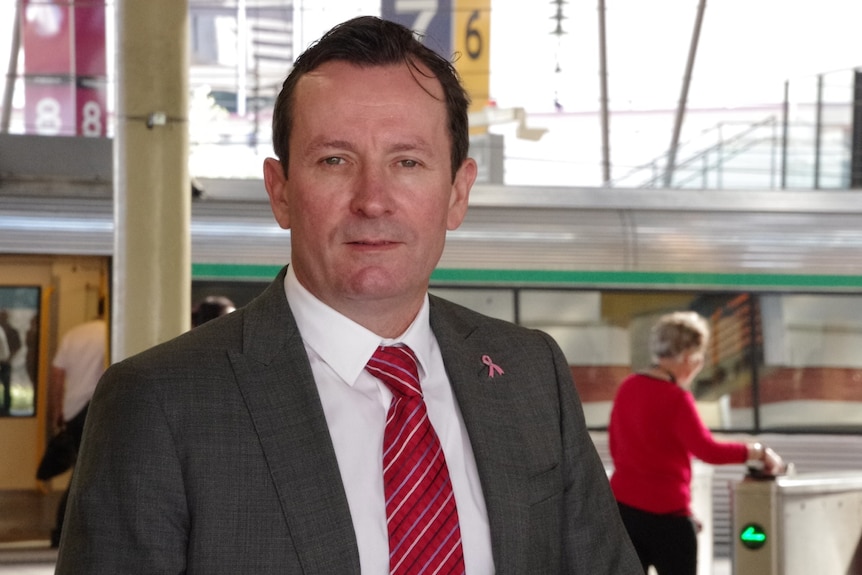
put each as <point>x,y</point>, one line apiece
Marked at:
<point>497,303</point>
<point>239,292</point>
<point>604,335</point>
<point>811,373</point>
<point>775,362</point>
<point>19,349</point>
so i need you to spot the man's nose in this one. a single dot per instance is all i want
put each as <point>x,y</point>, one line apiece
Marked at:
<point>372,193</point>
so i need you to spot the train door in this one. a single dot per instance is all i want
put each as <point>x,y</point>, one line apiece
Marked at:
<point>41,298</point>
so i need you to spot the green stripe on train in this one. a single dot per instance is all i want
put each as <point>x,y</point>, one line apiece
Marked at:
<point>574,278</point>
<point>234,272</point>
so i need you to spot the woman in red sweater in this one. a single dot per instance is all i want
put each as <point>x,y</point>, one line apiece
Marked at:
<point>654,432</point>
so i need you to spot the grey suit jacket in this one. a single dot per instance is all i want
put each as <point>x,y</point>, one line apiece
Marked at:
<point>210,454</point>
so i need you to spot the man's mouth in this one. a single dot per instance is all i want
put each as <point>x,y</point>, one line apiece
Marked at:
<point>372,242</point>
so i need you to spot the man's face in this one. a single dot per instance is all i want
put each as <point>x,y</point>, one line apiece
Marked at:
<point>369,193</point>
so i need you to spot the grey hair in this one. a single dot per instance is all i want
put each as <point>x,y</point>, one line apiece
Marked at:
<point>676,333</point>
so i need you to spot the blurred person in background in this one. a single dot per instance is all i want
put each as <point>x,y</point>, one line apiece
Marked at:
<point>80,361</point>
<point>654,432</point>
<point>211,307</point>
<point>10,344</point>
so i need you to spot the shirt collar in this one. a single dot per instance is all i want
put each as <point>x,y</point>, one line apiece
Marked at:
<point>342,343</point>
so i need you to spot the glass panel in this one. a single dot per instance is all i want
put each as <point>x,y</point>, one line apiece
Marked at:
<point>724,387</point>
<point>559,307</point>
<point>812,368</point>
<point>498,303</point>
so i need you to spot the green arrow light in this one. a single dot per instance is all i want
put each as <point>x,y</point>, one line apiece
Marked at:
<point>750,534</point>
<point>753,536</point>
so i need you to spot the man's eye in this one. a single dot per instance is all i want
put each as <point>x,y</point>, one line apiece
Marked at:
<point>333,161</point>
<point>409,163</point>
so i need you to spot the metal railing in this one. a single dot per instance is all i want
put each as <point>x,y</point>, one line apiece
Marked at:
<point>809,146</point>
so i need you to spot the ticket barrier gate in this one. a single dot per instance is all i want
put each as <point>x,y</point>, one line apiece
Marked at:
<point>802,524</point>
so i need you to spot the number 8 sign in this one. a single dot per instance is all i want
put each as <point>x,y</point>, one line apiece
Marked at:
<point>90,113</point>
<point>48,107</point>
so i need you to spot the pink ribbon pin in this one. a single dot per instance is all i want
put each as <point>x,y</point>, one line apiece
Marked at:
<point>493,368</point>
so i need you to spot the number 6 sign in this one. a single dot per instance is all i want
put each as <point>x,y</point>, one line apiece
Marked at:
<point>472,42</point>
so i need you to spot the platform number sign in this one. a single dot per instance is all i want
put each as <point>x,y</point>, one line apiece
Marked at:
<point>431,19</point>
<point>473,43</point>
<point>65,86</point>
<point>450,27</point>
<point>752,536</point>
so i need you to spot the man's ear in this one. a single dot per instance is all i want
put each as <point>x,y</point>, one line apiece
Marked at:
<point>460,195</point>
<point>276,187</point>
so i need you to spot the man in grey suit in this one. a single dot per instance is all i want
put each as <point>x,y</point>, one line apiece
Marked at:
<point>252,444</point>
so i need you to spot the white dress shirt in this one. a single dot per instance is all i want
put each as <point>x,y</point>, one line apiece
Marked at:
<point>355,404</point>
<point>82,356</point>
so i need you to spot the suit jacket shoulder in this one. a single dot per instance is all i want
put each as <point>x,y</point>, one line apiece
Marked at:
<point>210,454</point>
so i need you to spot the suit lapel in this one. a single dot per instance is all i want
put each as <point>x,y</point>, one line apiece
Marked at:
<point>487,407</point>
<point>277,384</point>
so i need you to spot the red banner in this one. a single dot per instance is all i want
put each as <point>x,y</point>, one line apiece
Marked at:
<point>49,106</point>
<point>46,34</point>
<point>91,109</point>
<point>90,38</point>
<point>64,95</point>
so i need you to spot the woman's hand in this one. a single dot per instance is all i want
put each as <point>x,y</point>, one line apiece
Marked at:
<point>772,462</point>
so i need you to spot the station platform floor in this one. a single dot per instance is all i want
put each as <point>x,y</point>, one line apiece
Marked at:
<point>41,562</point>
<point>26,519</point>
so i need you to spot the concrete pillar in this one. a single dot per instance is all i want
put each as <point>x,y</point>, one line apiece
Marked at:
<point>152,190</point>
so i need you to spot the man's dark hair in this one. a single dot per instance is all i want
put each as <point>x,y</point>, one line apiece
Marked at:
<point>371,41</point>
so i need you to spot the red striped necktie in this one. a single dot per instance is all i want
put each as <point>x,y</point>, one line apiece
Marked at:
<point>424,536</point>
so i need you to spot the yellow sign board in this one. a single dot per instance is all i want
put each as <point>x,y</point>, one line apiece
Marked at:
<point>472,43</point>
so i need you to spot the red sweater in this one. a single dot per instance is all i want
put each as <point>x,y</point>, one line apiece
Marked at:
<point>653,433</point>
